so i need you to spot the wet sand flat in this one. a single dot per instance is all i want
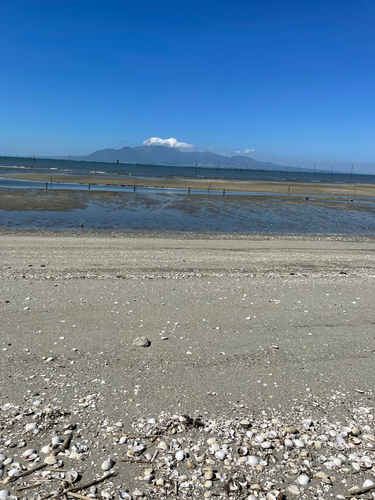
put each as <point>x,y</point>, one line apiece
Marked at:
<point>318,189</point>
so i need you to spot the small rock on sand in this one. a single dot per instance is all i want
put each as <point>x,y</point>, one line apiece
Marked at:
<point>141,342</point>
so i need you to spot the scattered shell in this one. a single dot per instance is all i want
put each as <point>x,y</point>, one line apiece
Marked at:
<point>46,449</point>
<point>294,490</point>
<point>14,472</point>
<point>253,460</point>
<point>71,476</point>
<point>4,494</point>
<point>242,451</point>
<point>123,495</point>
<point>368,483</point>
<point>245,424</point>
<point>303,479</point>
<point>220,455</point>
<point>180,455</point>
<point>31,427</point>
<point>108,464</point>
<point>56,440</point>
<point>137,494</point>
<point>8,461</point>
<point>29,454</point>
<point>163,445</point>
<point>50,460</point>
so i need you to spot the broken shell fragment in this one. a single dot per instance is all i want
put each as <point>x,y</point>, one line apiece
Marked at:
<point>71,476</point>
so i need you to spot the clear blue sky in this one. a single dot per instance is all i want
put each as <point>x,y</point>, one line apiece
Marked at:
<point>290,78</point>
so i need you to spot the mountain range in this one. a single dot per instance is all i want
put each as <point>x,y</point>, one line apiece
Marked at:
<point>162,155</point>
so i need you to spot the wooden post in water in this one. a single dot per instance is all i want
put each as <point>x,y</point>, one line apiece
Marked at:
<point>89,186</point>
<point>188,190</point>
<point>46,185</point>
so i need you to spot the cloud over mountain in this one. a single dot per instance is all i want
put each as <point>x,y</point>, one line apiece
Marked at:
<point>169,143</point>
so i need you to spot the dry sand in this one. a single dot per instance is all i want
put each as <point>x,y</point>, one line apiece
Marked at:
<point>295,188</point>
<point>251,325</point>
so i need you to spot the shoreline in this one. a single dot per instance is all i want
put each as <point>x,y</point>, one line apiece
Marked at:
<point>294,188</point>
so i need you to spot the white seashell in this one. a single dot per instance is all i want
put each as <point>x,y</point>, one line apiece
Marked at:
<point>56,440</point>
<point>215,447</point>
<point>137,494</point>
<point>2,458</point>
<point>138,449</point>
<point>266,445</point>
<point>71,476</point>
<point>180,455</point>
<point>288,443</point>
<point>368,483</point>
<point>249,434</point>
<point>28,454</point>
<point>294,490</point>
<point>124,496</point>
<point>4,494</point>
<point>107,464</point>
<point>253,460</point>
<point>46,449</point>
<point>242,451</point>
<point>123,440</point>
<point>8,461</point>
<point>151,421</point>
<point>31,427</point>
<point>50,460</point>
<point>303,479</point>
<point>299,443</point>
<point>14,472</point>
<point>260,439</point>
<point>163,445</point>
<point>337,461</point>
<point>211,441</point>
<point>220,455</point>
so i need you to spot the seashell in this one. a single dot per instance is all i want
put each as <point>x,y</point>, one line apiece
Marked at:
<point>368,483</point>
<point>303,479</point>
<point>266,445</point>
<point>28,454</point>
<point>337,461</point>
<point>245,424</point>
<point>31,427</point>
<point>292,430</point>
<point>215,447</point>
<point>108,464</point>
<point>323,477</point>
<point>137,450</point>
<point>208,484</point>
<point>253,460</point>
<point>220,455</point>
<point>242,451</point>
<point>71,476</point>
<point>209,475</point>
<point>211,441</point>
<point>137,494</point>
<point>299,443</point>
<point>1,472</point>
<point>288,443</point>
<point>250,434</point>
<point>160,482</point>
<point>294,490</point>
<point>365,464</point>
<point>123,440</point>
<point>163,445</point>
<point>50,460</point>
<point>180,455</point>
<point>46,449</point>
<point>14,472</point>
<point>4,494</point>
<point>8,461</point>
<point>124,496</point>
<point>260,439</point>
<point>2,458</point>
<point>56,440</point>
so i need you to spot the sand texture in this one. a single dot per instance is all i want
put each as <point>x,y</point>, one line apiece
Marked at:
<point>237,327</point>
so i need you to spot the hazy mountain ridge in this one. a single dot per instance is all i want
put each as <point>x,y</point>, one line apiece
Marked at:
<point>171,156</point>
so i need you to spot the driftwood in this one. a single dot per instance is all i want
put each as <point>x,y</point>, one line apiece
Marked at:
<point>359,491</point>
<point>136,461</point>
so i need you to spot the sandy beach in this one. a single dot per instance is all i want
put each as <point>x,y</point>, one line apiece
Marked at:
<point>295,188</point>
<point>239,328</point>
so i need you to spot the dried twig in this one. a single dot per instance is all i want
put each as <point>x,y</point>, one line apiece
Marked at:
<point>28,487</point>
<point>77,495</point>
<point>84,486</point>
<point>136,461</point>
<point>23,474</point>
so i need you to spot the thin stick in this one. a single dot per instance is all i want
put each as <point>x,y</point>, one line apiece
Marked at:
<point>84,486</point>
<point>77,495</point>
<point>142,437</point>
<point>28,487</point>
<point>23,474</point>
<point>136,461</point>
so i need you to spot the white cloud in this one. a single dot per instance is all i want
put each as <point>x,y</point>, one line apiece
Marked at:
<point>169,143</point>
<point>247,151</point>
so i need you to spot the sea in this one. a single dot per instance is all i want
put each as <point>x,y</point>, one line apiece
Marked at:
<point>112,208</point>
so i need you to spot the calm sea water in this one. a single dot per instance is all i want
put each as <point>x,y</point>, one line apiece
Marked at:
<point>168,171</point>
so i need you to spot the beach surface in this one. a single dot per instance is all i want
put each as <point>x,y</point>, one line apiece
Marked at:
<point>239,326</point>
<point>295,188</point>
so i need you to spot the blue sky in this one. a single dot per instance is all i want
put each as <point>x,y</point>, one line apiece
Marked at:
<point>289,79</point>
